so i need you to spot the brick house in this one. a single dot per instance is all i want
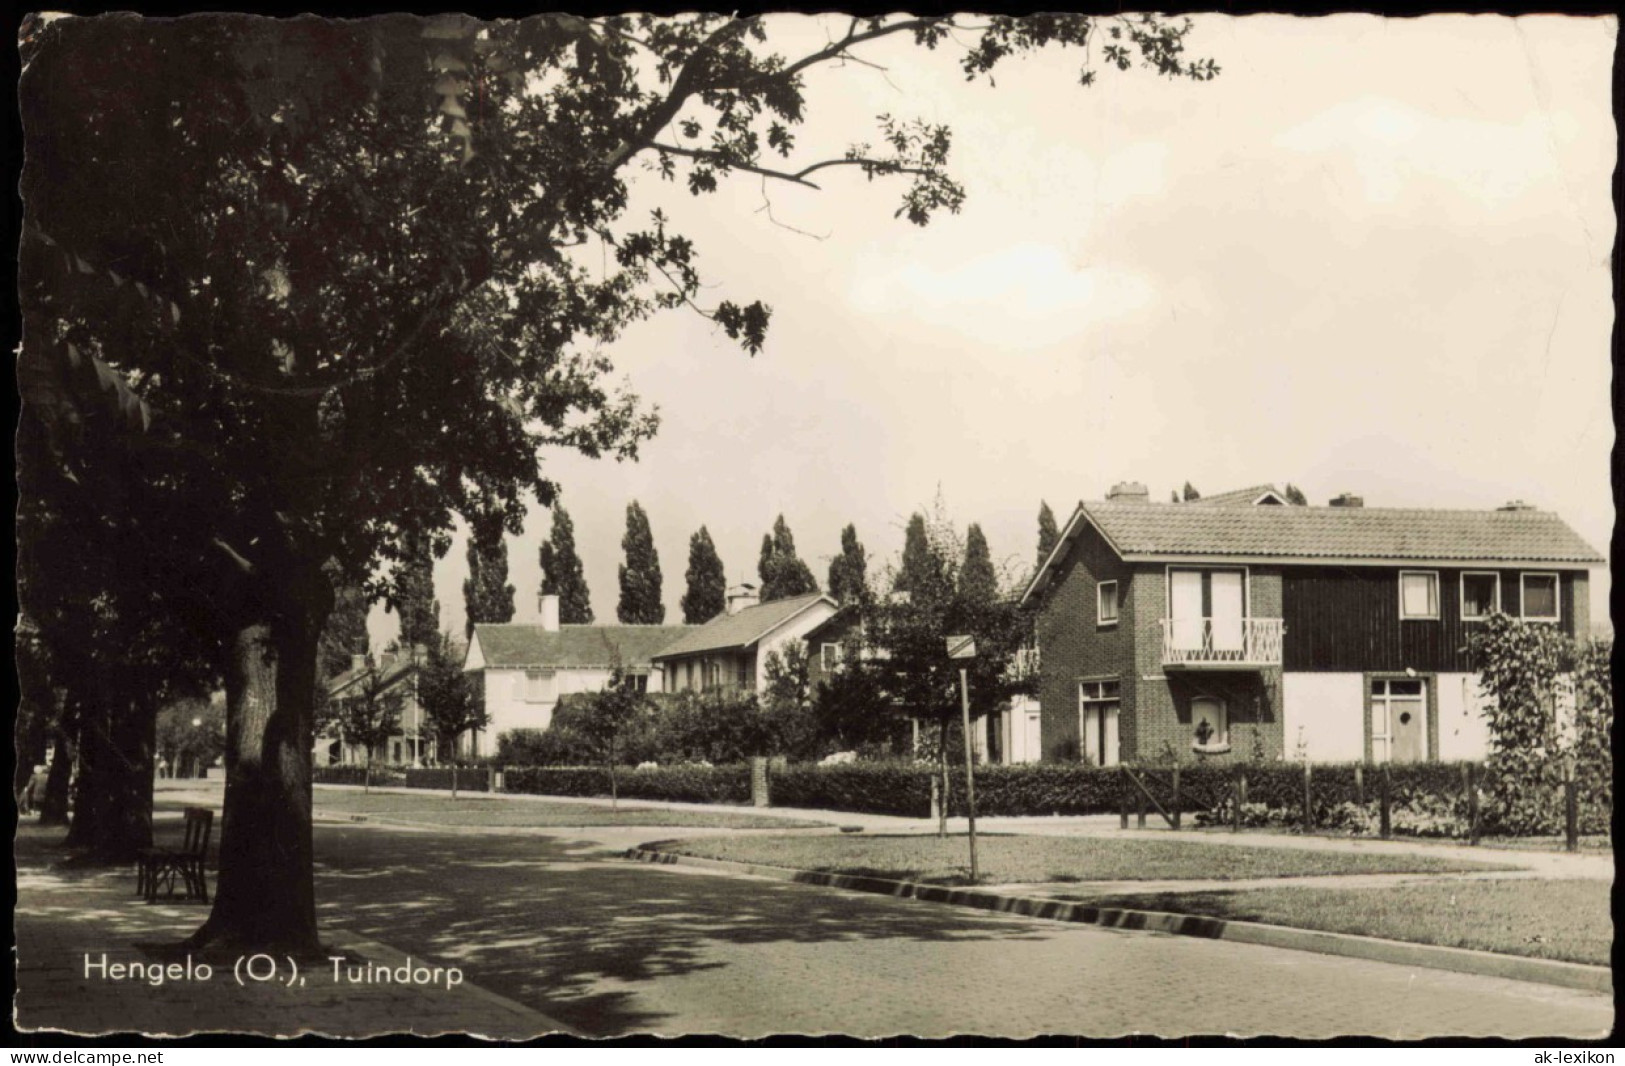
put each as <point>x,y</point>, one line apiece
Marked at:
<point>1234,625</point>
<point>730,651</point>
<point>396,675</point>
<point>526,668</point>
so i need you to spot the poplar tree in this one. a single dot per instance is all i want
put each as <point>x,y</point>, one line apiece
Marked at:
<point>707,593</point>
<point>782,572</point>
<point>849,571</point>
<point>562,575</point>
<point>640,573</point>
<point>487,596</point>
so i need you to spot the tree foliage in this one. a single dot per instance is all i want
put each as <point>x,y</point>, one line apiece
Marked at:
<point>562,575</point>
<point>414,601</point>
<point>487,596</point>
<point>1294,495</point>
<point>780,569</point>
<point>1190,493</point>
<point>849,571</point>
<point>371,714</point>
<point>706,595</point>
<point>345,634</point>
<point>641,583</point>
<point>298,269</point>
<point>1049,535</point>
<point>1549,707</point>
<point>978,580</point>
<point>453,702</point>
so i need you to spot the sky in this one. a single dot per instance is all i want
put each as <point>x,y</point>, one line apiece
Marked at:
<point>1371,256</point>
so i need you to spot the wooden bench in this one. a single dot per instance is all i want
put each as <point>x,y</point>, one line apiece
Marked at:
<point>165,865</point>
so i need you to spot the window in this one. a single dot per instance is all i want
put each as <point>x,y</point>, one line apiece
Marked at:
<point>1480,594</point>
<point>1418,594</point>
<point>713,674</point>
<point>539,687</point>
<point>1210,724</point>
<point>1098,709</point>
<point>830,656</point>
<point>1106,603</point>
<point>744,670</point>
<point>1539,597</point>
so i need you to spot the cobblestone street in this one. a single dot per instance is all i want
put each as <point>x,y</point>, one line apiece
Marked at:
<point>552,924</point>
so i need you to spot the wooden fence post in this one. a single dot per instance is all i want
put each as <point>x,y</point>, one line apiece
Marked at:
<point>1175,807</point>
<point>1359,784</point>
<point>1386,800</point>
<point>1240,798</point>
<point>1308,802</point>
<point>1139,805</point>
<point>1122,796</point>
<point>1571,807</point>
<point>1470,772</point>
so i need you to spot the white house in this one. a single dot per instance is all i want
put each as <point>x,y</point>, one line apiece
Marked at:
<point>526,668</point>
<point>730,651</point>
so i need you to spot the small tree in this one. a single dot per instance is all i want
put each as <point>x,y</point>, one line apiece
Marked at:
<point>1294,495</point>
<point>609,715</point>
<point>453,702</point>
<point>371,716</point>
<point>787,705</point>
<point>1191,493</point>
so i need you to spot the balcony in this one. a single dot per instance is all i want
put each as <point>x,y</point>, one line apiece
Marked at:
<point>1221,643</point>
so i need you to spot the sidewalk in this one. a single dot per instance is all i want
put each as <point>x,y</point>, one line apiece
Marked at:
<point>1597,867</point>
<point>69,921</point>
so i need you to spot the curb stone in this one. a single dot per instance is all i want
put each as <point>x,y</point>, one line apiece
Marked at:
<point>1404,953</point>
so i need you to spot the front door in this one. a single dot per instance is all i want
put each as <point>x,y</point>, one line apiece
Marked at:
<point>1399,719</point>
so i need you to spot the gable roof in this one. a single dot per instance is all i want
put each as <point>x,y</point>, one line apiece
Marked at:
<point>512,646</point>
<point>1239,497</point>
<point>742,628</point>
<point>1346,535</point>
<point>393,671</point>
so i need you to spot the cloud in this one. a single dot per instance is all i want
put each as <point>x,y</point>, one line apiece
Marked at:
<point>1026,294</point>
<point>1391,144</point>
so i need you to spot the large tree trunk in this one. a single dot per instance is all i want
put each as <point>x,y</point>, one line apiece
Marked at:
<point>53,806</point>
<point>124,825</point>
<point>265,899</point>
<point>94,751</point>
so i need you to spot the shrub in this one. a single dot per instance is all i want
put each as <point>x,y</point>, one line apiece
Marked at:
<point>468,779</point>
<point>683,784</point>
<point>869,788</point>
<point>355,775</point>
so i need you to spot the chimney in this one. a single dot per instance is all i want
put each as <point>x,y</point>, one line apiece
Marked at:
<point>1129,492</point>
<point>549,606</point>
<point>740,597</point>
<point>358,661</point>
<point>1516,505</point>
<point>1347,499</point>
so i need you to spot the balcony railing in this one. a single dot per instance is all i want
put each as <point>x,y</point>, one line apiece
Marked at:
<point>1221,642</point>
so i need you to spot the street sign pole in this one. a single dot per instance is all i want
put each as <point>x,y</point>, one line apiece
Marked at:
<point>970,773</point>
<point>963,648</point>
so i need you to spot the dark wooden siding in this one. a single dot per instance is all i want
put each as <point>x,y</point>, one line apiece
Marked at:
<point>1347,619</point>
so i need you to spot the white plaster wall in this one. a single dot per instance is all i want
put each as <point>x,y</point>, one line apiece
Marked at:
<point>790,632</point>
<point>1327,713</point>
<point>1463,732</point>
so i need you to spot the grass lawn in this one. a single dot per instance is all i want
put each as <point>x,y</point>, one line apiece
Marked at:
<point>1548,919</point>
<point>477,809</point>
<point>1005,859</point>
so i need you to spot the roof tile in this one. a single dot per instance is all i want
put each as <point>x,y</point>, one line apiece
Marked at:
<point>573,647</point>
<point>740,629</point>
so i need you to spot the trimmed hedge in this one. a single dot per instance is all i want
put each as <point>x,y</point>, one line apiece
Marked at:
<point>866,788</point>
<point>356,775</point>
<point>468,779</point>
<point>682,784</point>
